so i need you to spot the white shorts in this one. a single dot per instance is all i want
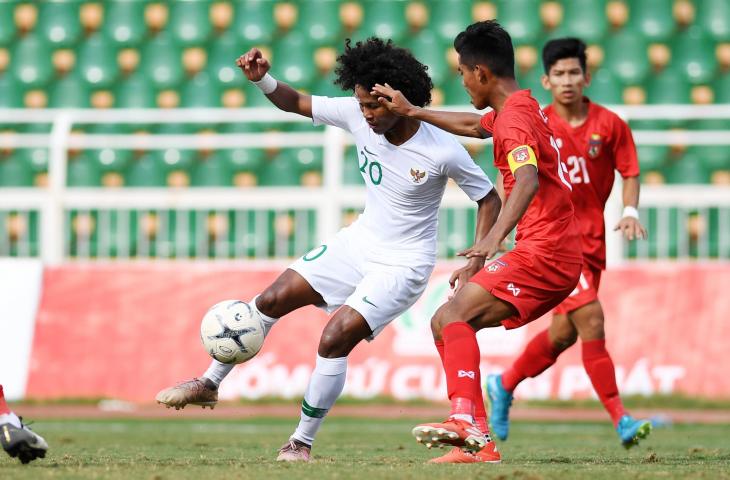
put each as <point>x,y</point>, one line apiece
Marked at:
<point>344,274</point>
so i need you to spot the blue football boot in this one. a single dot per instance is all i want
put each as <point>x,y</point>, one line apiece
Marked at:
<point>500,400</point>
<point>631,430</point>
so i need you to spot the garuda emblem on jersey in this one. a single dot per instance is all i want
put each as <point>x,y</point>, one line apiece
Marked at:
<point>417,175</point>
<point>594,145</point>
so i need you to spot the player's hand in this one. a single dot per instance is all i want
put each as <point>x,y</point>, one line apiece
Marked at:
<point>631,228</point>
<point>392,99</point>
<point>486,248</point>
<point>462,275</point>
<point>253,64</point>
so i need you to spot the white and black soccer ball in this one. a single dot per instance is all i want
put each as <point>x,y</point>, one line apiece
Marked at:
<point>232,332</point>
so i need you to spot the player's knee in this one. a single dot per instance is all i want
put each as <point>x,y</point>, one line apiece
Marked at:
<point>270,300</point>
<point>563,340</point>
<point>592,328</point>
<point>437,322</point>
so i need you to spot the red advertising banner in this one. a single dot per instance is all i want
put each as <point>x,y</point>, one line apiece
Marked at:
<point>126,331</point>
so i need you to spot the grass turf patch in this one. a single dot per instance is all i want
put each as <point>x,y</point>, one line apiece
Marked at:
<point>360,449</point>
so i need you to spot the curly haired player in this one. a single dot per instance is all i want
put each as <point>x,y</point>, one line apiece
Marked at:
<point>372,271</point>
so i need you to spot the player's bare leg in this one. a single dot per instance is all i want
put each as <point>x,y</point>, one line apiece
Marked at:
<point>539,355</point>
<point>289,292</point>
<point>343,332</point>
<point>589,321</point>
<point>457,321</point>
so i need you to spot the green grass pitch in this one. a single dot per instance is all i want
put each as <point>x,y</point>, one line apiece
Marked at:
<point>360,449</point>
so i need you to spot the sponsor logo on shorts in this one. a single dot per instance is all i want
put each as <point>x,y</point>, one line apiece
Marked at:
<point>495,265</point>
<point>515,290</point>
<point>466,373</point>
<point>365,299</point>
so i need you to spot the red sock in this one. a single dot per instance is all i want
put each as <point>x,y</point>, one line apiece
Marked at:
<point>461,363</point>
<point>3,405</point>
<point>538,356</point>
<point>480,412</point>
<point>600,369</point>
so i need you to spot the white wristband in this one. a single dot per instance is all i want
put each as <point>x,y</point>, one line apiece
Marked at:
<point>267,84</point>
<point>630,211</point>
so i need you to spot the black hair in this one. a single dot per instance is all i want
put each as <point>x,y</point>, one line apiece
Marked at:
<point>376,61</point>
<point>489,44</point>
<point>561,48</point>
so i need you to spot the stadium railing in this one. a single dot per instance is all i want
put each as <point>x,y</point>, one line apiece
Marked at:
<point>183,216</point>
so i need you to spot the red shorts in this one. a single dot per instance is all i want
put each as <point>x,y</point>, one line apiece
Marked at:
<point>531,283</point>
<point>584,293</point>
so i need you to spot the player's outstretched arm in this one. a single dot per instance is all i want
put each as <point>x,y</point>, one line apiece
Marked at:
<point>630,225</point>
<point>524,190</point>
<point>459,123</point>
<point>256,68</point>
<point>487,214</point>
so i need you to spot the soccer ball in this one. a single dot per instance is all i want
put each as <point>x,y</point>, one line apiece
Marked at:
<point>232,332</point>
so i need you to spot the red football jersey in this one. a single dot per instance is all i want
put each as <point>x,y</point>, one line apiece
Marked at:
<point>521,135</point>
<point>592,152</point>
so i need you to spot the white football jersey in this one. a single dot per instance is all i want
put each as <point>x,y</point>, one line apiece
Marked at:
<point>404,183</point>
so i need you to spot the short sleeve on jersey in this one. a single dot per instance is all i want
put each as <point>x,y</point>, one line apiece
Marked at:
<point>624,149</point>
<point>487,121</point>
<point>521,156</point>
<point>467,174</point>
<point>342,112</point>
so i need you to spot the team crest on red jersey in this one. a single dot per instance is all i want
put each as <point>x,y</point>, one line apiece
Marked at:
<point>594,145</point>
<point>521,155</point>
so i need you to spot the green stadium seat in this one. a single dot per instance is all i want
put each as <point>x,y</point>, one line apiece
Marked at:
<point>70,91</point>
<point>428,49</point>
<point>653,19</point>
<point>670,86</point>
<point>11,95</point>
<point>161,62</point>
<point>687,169</point>
<point>305,159</point>
<point>320,22</point>
<point>135,91</point>
<point>212,171</point>
<point>384,19</point>
<point>83,171</point>
<point>652,157</point>
<point>625,56</point>
<point>693,54</point>
<point>31,61</point>
<point>244,159</point>
<point>293,60</point>
<point>8,29</point>
<point>176,159</point>
<point>722,88</point>
<point>449,17</point>
<point>454,93</point>
<point>585,19</point>
<point>279,172</point>
<point>254,96</point>
<point>325,86</point>
<point>532,80</point>
<point>110,160</point>
<point>200,91</point>
<point>124,23</point>
<point>222,61</point>
<point>35,158</point>
<point>605,88</point>
<point>189,22</point>
<point>712,157</point>
<point>97,61</point>
<point>253,23</point>
<point>351,168</point>
<point>713,16</point>
<point>14,172</point>
<point>59,24</point>
<point>146,171</point>
<point>521,19</point>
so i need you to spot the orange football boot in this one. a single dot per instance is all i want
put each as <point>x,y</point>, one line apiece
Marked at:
<point>457,433</point>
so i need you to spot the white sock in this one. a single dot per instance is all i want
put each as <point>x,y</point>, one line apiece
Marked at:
<point>325,385</point>
<point>217,371</point>
<point>267,320</point>
<point>10,418</point>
